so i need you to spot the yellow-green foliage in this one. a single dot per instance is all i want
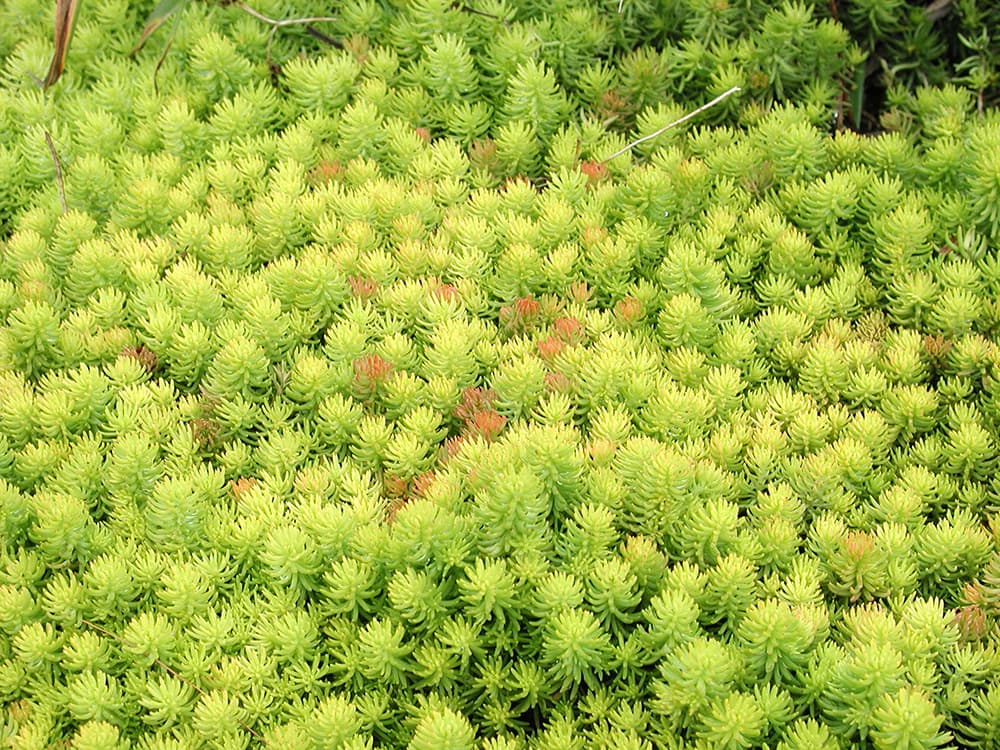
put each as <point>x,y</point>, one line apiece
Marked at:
<point>356,402</point>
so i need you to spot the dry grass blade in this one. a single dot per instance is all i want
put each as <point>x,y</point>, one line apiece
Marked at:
<point>163,10</point>
<point>65,17</point>
<point>675,123</point>
<point>159,64</point>
<point>59,173</point>
<point>279,23</point>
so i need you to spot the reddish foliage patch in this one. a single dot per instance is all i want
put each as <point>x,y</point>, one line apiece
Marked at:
<point>239,487</point>
<point>858,545</point>
<point>487,424</point>
<point>206,432</point>
<point>447,292</point>
<point>569,330</point>
<point>142,355</point>
<point>549,348</point>
<point>325,171</point>
<point>971,621</point>
<point>395,486</point>
<point>451,447</point>
<point>370,372</point>
<point>421,483</point>
<point>474,400</point>
<point>556,382</point>
<point>592,235</point>
<point>579,292</point>
<point>363,288</point>
<point>520,316</point>
<point>396,504</point>
<point>596,171</point>
<point>628,310</point>
<point>613,106</point>
<point>478,417</point>
<point>483,155</point>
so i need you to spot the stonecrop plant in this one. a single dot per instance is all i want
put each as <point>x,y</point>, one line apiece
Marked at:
<point>352,397</point>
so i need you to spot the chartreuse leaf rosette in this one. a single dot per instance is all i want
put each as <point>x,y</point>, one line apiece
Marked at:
<point>352,397</point>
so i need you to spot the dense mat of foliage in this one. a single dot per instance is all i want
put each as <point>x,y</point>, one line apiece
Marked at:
<point>352,400</point>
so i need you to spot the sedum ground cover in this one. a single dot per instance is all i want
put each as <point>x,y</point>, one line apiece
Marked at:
<point>351,397</point>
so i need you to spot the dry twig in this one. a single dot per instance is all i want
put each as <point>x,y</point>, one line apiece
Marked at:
<point>276,24</point>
